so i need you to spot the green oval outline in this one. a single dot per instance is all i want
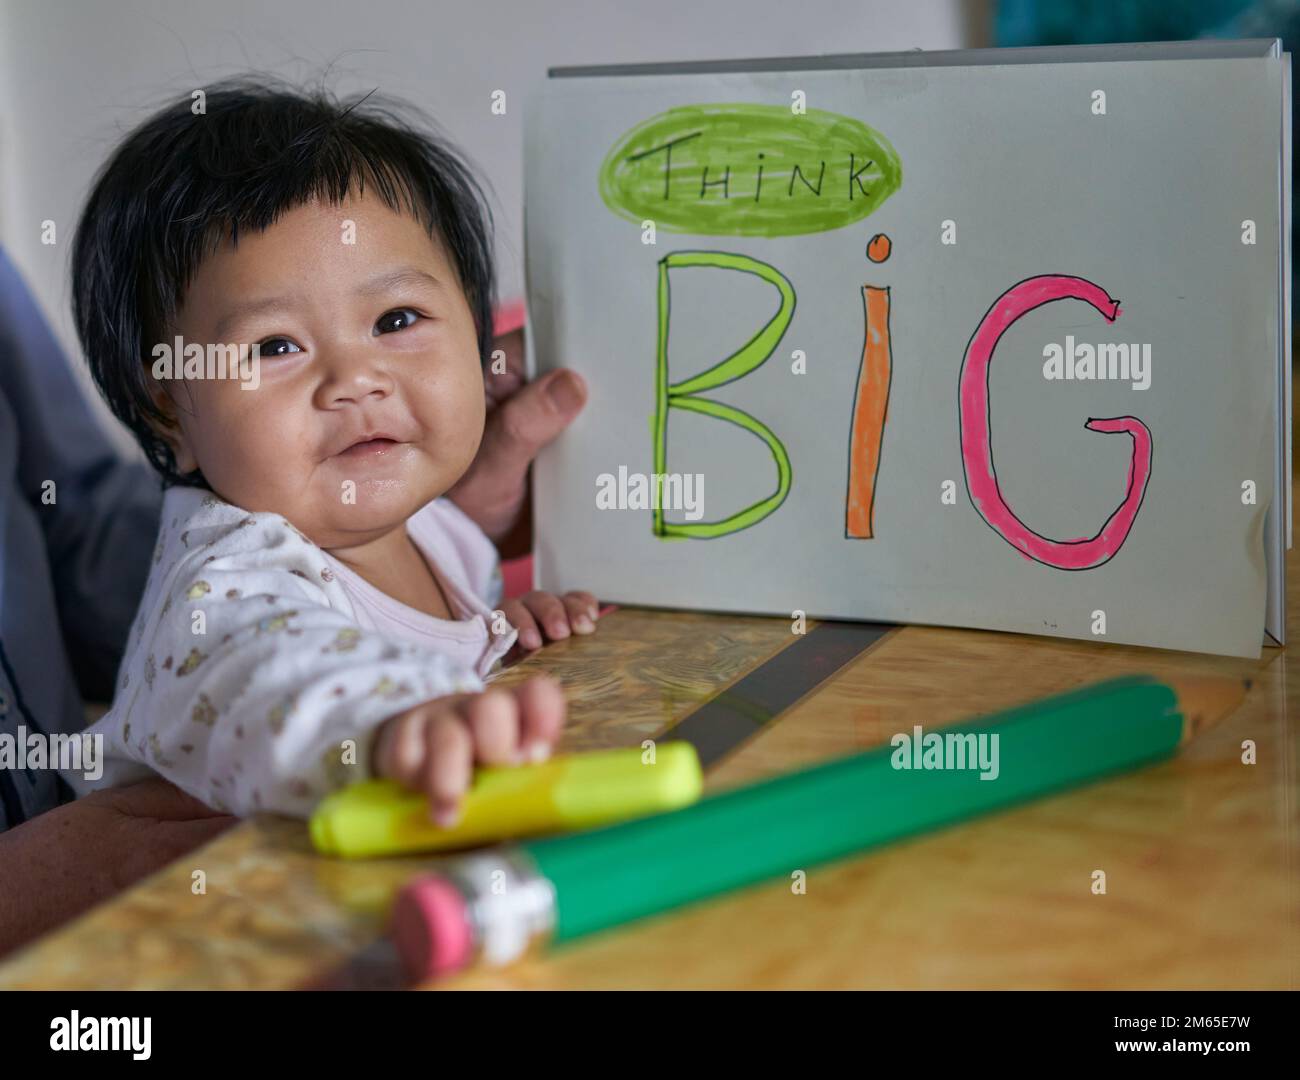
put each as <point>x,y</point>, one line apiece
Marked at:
<point>737,134</point>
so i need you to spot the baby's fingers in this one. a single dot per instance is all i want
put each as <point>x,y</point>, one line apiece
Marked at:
<point>541,716</point>
<point>400,748</point>
<point>493,719</point>
<point>530,636</point>
<point>448,766</point>
<point>549,612</point>
<point>580,607</point>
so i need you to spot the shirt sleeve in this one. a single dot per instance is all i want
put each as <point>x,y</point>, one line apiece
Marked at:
<point>250,685</point>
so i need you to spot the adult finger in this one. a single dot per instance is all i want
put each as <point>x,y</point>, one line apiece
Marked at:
<point>529,419</point>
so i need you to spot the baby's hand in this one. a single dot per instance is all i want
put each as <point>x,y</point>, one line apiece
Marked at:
<point>434,746</point>
<point>557,615</point>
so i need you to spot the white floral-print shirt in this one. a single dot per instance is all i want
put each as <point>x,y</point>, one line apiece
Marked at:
<point>258,666</point>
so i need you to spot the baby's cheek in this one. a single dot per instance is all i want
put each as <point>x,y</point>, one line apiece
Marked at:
<point>457,409</point>
<point>261,457</point>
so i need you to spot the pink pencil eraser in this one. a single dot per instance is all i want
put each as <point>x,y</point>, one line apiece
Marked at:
<point>430,927</point>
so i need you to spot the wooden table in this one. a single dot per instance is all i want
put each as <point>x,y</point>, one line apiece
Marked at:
<point>1200,854</point>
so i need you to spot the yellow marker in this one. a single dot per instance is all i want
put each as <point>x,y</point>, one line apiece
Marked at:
<point>574,791</point>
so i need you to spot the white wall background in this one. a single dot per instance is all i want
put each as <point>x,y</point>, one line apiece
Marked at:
<point>75,75</point>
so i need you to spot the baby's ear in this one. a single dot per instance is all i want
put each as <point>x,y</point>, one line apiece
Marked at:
<point>170,430</point>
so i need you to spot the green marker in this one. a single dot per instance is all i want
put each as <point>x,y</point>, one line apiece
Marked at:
<point>495,906</point>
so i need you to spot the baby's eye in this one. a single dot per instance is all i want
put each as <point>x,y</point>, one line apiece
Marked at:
<point>398,319</point>
<point>277,346</point>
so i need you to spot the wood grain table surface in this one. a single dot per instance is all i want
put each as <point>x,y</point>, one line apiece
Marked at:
<point>1201,854</point>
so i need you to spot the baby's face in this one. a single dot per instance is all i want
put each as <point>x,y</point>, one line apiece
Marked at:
<point>372,340</point>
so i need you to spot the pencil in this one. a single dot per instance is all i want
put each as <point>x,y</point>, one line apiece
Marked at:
<point>494,906</point>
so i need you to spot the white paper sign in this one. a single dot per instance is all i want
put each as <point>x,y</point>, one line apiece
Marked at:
<point>985,345</point>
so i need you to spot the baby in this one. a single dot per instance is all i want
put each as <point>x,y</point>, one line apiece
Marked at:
<point>316,612</point>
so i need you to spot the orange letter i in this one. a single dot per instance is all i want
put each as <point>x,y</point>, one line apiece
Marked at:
<point>870,403</point>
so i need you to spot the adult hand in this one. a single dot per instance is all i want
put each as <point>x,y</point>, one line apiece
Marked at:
<point>63,862</point>
<point>522,418</point>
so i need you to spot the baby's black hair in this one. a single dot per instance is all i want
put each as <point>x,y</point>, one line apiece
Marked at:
<point>185,181</point>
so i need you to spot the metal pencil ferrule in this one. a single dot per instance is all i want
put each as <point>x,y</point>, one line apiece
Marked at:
<point>510,905</point>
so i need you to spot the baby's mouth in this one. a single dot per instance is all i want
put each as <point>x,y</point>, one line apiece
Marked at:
<point>367,448</point>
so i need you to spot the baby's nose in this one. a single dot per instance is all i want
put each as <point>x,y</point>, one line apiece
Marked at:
<point>353,379</point>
